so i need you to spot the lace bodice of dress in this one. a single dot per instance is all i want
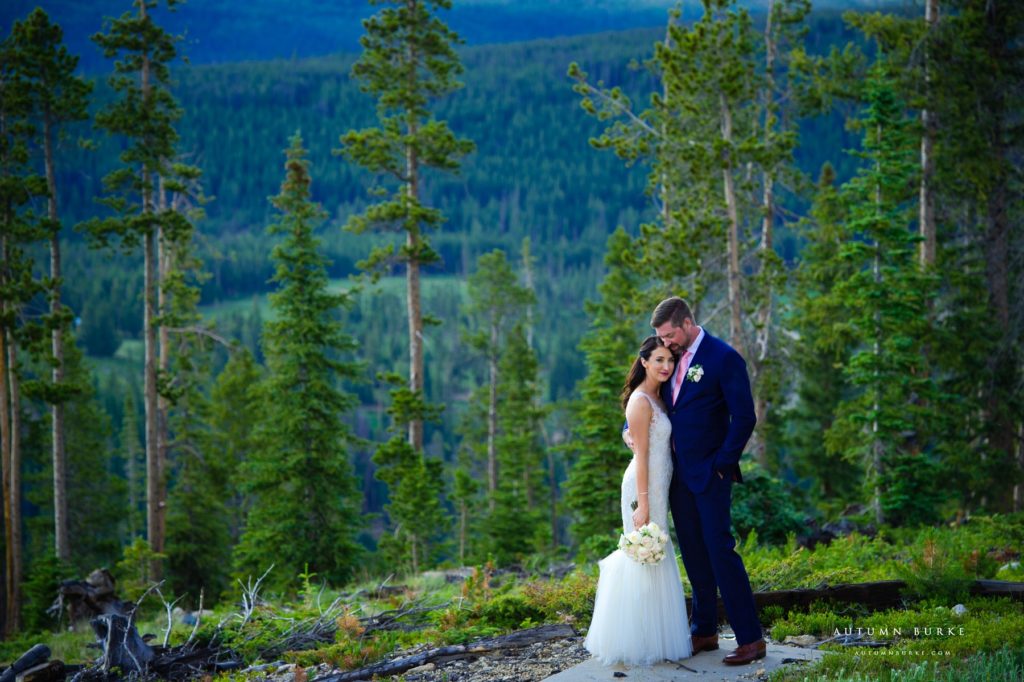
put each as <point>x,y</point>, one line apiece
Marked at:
<point>659,468</point>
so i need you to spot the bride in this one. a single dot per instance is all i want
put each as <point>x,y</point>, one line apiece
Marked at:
<point>639,611</point>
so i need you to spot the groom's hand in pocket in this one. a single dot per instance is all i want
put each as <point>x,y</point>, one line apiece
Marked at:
<point>628,440</point>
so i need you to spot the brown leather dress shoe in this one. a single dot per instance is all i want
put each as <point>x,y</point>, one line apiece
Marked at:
<point>701,643</point>
<point>746,653</point>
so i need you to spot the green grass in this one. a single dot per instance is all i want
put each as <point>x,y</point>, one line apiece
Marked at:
<point>985,644</point>
<point>924,639</point>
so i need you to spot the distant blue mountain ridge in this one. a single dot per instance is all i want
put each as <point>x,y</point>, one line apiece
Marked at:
<point>221,31</point>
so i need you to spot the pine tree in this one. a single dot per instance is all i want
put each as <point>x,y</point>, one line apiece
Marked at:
<point>415,486</point>
<point>885,422</point>
<point>818,355</point>
<point>19,229</point>
<point>198,524</point>
<point>408,60</point>
<point>716,122</point>
<point>94,520</point>
<point>305,502</point>
<point>57,97</point>
<point>145,115</point>
<point>517,526</point>
<point>496,302</point>
<point>978,64</point>
<point>234,417</point>
<point>598,453</point>
<point>464,495</point>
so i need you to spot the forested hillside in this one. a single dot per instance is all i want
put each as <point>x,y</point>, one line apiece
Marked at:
<point>370,312</point>
<point>533,173</point>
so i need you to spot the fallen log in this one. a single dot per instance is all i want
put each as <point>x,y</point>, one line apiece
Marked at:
<point>879,595</point>
<point>998,588</point>
<point>515,640</point>
<point>35,656</point>
<point>52,671</point>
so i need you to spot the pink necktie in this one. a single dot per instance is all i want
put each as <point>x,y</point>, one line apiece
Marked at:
<point>677,382</point>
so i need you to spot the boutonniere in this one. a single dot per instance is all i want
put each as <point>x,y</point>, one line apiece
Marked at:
<point>695,373</point>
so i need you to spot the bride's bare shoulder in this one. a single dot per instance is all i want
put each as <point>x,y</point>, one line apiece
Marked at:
<point>638,407</point>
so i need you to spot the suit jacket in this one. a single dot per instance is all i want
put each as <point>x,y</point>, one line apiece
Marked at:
<point>712,419</point>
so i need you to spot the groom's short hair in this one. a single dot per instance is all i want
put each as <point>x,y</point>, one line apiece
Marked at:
<point>673,310</point>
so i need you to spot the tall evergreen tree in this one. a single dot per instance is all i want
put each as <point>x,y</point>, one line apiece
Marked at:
<point>19,229</point>
<point>517,525</point>
<point>978,66</point>
<point>497,301</point>
<point>198,524</point>
<point>57,97</point>
<point>144,114</point>
<point>415,486</point>
<point>886,422</point>
<point>235,404</point>
<point>961,72</point>
<point>599,457</point>
<point>408,60</point>
<point>717,122</point>
<point>305,508</point>
<point>819,354</point>
<point>94,520</point>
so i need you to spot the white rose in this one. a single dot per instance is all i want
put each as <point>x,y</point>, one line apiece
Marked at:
<point>634,537</point>
<point>647,542</point>
<point>654,528</point>
<point>643,553</point>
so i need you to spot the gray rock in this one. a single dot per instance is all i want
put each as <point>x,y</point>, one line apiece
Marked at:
<point>801,640</point>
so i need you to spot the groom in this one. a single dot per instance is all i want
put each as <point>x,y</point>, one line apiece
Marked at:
<point>712,412</point>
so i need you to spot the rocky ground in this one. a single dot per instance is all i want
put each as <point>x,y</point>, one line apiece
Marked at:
<point>529,664</point>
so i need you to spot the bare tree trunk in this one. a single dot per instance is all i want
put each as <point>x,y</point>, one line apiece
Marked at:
<point>413,266</point>
<point>163,355</point>
<point>10,593</point>
<point>735,293</point>
<point>14,606</point>
<point>663,190</point>
<point>62,544</point>
<point>759,441</point>
<point>155,506</point>
<point>927,201</point>
<point>492,418</point>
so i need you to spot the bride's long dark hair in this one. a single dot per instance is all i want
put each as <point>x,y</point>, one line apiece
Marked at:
<point>637,373</point>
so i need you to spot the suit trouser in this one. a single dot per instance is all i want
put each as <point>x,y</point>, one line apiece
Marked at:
<point>703,527</point>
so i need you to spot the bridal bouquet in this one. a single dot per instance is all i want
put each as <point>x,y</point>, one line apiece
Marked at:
<point>646,545</point>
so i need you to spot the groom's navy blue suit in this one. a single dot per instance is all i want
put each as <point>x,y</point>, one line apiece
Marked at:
<point>712,419</point>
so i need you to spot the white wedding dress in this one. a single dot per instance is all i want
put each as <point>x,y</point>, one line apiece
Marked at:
<point>639,611</point>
